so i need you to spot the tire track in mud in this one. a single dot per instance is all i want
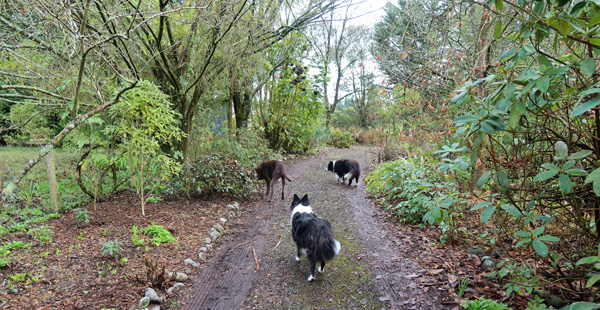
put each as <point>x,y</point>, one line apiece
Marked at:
<point>375,269</point>
<point>229,272</point>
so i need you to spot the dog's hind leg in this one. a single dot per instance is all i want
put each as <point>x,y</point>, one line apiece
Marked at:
<point>321,268</point>
<point>272,190</point>
<point>282,188</point>
<point>268,189</point>
<point>276,176</point>
<point>300,252</point>
<point>312,268</point>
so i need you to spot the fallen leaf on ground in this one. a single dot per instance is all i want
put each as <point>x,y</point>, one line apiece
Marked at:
<point>435,271</point>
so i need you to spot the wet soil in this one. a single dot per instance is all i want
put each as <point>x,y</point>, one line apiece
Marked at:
<point>381,265</point>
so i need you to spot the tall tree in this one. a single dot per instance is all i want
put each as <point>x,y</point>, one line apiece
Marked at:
<point>417,44</point>
<point>63,56</point>
<point>362,86</point>
<point>80,57</point>
<point>333,37</point>
<point>185,61</point>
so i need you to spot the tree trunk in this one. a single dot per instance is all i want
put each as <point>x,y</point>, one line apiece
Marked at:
<point>231,103</point>
<point>242,106</point>
<point>327,114</point>
<point>236,99</point>
<point>597,147</point>
<point>483,48</point>
<point>186,127</point>
<point>242,102</point>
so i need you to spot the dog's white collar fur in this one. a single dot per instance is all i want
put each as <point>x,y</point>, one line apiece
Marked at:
<point>300,209</point>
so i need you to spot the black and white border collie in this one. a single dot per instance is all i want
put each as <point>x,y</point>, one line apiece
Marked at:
<point>345,169</point>
<point>313,235</point>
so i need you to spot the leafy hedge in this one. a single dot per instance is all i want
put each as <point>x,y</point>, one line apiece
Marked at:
<point>412,189</point>
<point>215,173</point>
<point>341,139</point>
<point>224,166</point>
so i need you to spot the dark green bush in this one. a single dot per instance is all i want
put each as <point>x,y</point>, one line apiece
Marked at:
<point>113,248</point>
<point>215,173</point>
<point>484,304</point>
<point>411,188</point>
<point>223,165</point>
<point>341,139</point>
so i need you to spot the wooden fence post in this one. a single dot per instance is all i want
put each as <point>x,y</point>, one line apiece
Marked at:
<point>52,185</point>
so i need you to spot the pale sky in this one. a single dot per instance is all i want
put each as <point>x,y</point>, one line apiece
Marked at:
<point>369,12</point>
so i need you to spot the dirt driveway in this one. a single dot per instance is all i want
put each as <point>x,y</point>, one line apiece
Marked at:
<point>380,266</point>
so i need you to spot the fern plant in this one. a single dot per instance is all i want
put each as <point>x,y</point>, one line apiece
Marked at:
<point>160,234</point>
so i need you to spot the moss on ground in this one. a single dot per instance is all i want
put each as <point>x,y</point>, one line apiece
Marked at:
<point>346,282</point>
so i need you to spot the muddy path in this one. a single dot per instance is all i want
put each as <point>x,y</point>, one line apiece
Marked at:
<point>253,266</point>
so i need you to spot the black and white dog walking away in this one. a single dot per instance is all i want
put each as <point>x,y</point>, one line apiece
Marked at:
<point>313,235</point>
<point>271,171</point>
<point>345,169</point>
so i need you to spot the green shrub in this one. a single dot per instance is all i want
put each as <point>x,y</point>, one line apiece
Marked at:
<point>43,234</point>
<point>82,215</point>
<point>18,277</point>
<point>222,165</point>
<point>8,247</point>
<point>4,262</point>
<point>537,304</point>
<point>113,248</point>
<point>159,234</point>
<point>135,239</point>
<point>411,188</point>
<point>484,304</point>
<point>36,131</point>
<point>215,173</point>
<point>15,245</point>
<point>294,111</point>
<point>341,139</point>
<point>21,226</point>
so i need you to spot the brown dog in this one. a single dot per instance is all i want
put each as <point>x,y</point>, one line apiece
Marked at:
<point>270,171</point>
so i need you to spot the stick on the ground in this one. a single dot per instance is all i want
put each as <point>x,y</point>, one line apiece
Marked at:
<point>256,260</point>
<point>239,245</point>
<point>278,242</point>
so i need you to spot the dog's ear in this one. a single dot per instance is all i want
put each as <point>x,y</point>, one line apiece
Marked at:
<point>304,200</point>
<point>330,166</point>
<point>295,198</point>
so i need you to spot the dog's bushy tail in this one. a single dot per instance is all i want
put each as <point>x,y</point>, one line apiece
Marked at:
<point>355,173</point>
<point>327,247</point>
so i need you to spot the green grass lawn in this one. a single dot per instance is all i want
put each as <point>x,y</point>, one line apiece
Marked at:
<point>32,191</point>
<point>12,159</point>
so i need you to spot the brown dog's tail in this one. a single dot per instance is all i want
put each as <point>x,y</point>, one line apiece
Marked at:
<point>286,177</point>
